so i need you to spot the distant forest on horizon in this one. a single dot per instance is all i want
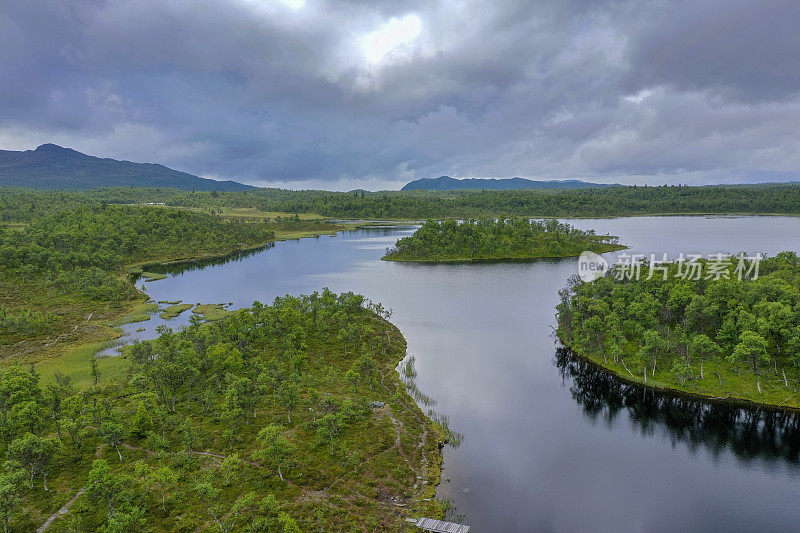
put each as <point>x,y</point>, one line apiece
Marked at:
<point>19,204</point>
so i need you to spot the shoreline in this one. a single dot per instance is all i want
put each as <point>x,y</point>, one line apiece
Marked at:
<point>106,328</point>
<point>428,474</point>
<point>464,260</point>
<point>736,401</point>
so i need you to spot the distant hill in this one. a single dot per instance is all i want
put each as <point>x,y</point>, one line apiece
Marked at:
<point>446,183</point>
<point>53,167</point>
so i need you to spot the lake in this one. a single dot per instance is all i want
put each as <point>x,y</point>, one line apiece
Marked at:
<point>550,443</point>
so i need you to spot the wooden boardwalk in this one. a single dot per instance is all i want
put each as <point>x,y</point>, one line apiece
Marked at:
<point>438,526</point>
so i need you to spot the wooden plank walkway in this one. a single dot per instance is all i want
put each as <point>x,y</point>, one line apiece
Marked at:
<point>438,526</point>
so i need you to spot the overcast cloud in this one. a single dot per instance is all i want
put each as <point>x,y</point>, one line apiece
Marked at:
<point>342,94</point>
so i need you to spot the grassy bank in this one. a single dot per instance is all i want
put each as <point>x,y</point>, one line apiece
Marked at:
<point>721,382</point>
<point>599,248</point>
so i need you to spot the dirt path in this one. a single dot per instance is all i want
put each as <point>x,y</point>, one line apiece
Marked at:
<point>64,510</point>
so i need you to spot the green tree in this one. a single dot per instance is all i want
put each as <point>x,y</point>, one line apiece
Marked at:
<point>164,480</point>
<point>273,447</point>
<point>702,347</point>
<point>11,487</point>
<point>353,378</point>
<point>95,370</point>
<point>142,422</point>
<point>229,468</point>
<point>289,525</point>
<point>289,395</point>
<point>651,348</point>
<point>752,349</point>
<point>35,454</point>
<point>106,486</point>
<point>113,433</point>
<point>209,494</point>
<point>775,322</point>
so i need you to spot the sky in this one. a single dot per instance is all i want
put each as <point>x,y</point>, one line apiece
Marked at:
<point>344,94</point>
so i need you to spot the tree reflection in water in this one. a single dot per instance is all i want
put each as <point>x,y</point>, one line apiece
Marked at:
<point>179,267</point>
<point>750,433</point>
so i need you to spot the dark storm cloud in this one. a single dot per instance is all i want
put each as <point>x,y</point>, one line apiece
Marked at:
<point>262,91</point>
<point>743,49</point>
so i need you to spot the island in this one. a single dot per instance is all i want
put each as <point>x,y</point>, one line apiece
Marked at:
<point>714,333</point>
<point>497,239</point>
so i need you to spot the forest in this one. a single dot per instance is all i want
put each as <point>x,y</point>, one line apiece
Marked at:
<point>421,205</point>
<point>715,334</point>
<point>66,268</point>
<point>23,204</point>
<point>488,239</point>
<point>286,417</point>
<point>60,268</point>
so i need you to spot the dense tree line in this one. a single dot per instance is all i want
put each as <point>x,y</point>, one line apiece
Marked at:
<point>79,255</point>
<point>230,425</point>
<point>495,239</point>
<point>22,204</point>
<point>712,334</point>
<point>612,201</point>
<point>109,236</point>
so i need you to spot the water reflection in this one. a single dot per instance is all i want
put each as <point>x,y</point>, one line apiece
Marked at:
<point>749,433</point>
<point>179,267</point>
<point>539,456</point>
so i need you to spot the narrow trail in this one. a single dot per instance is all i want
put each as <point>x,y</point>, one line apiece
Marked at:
<point>64,510</point>
<point>66,507</point>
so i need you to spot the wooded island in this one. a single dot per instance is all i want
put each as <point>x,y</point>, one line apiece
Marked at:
<point>485,239</point>
<point>720,337</point>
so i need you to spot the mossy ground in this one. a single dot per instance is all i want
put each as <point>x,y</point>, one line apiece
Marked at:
<point>140,313</point>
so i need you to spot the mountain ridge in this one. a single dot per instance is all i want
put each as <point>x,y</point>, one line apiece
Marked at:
<point>446,183</point>
<point>51,166</point>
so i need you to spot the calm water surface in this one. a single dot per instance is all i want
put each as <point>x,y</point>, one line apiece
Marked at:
<point>550,444</point>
